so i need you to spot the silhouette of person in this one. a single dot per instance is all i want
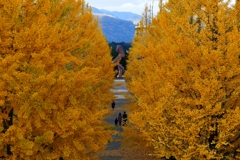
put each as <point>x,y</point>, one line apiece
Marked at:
<point>120,119</point>
<point>113,105</point>
<point>124,118</point>
<point>116,121</point>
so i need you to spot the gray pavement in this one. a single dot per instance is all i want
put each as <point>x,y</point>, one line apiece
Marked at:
<point>116,143</point>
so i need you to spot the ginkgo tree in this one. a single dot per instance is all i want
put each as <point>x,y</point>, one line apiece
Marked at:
<point>185,86</point>
<point>55,80</point>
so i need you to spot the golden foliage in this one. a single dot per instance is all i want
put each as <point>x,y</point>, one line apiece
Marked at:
<point>183,73</point>
<point>55,80</point>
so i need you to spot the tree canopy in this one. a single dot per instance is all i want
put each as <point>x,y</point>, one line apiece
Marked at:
<point>55,79</point>
<point>183,73</point>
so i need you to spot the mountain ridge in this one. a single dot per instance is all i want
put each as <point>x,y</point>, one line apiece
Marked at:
<point>135,18</point>
<point>117,26</point>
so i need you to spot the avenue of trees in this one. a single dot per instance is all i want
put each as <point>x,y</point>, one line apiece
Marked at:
<point>56,72</point>
<point>55,79</point>
<point>184,75</point>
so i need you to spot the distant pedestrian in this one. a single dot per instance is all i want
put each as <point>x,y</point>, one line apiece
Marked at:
<point>113,105</point>
<point>116,121</point>
<point>120,119</point>
<point>124,118</point>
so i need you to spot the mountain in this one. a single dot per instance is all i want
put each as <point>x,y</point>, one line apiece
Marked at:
<point>129,16</point>
<point>117,30</point>
<point>117,26</point>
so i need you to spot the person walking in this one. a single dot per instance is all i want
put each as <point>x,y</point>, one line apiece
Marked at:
<point>113,105</point>
<point>124,118</point>
<point>116,121</point>
<point>120,119</point>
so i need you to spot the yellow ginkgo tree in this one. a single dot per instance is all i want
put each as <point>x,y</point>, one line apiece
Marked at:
<point>55,80</point>
<point>185,86</point>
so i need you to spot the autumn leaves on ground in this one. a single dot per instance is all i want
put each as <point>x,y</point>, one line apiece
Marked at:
<point>56,73</point>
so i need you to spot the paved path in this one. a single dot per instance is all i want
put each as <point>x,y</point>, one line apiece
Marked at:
<point>119,88</point>
<point>112,151</point>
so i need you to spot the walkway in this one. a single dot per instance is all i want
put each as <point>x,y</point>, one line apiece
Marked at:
<point>112,151</point>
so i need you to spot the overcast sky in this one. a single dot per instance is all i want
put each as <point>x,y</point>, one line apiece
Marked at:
<point>134,6</point>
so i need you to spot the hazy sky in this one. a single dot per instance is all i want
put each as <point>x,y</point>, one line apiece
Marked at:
<point>134,6</point>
